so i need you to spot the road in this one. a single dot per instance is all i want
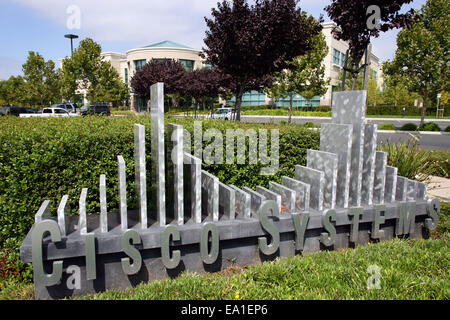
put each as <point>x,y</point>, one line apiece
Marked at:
<point>429,140</point>
<point>398,122</point>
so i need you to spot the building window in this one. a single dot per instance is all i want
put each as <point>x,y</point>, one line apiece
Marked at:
<point>187,64</point>
<point>139,63</point>
<point>336,57</point>
<point>251,98</point>
<point>375,74</point>
<point>126,75</point>
<point>343,56</point>
<point>161,60</point>
<point>298,101</point>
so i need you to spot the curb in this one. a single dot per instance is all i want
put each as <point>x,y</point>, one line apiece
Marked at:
<point>419,132</point>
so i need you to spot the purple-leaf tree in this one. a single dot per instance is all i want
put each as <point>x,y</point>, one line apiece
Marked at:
<point>360,20</point>
<point>249,43</point>
<point>170,72</point>
<point>202,84</point>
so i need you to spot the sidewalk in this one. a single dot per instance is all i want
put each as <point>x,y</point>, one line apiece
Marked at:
<point>439,188</point>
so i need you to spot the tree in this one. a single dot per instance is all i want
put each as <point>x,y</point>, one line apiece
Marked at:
<point>381,15</point>
<point>111,87</point>
<point>42,83</point>
<point>305,76</point>
<point>13,92</point>
<point>171,72</point>
<point>251,43</point>
<point>202,84</point>
<point>87,70</point>
<point>422,58</point>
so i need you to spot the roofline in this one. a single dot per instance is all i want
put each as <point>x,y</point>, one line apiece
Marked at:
<point>112,53</point>
<point>163,48</point>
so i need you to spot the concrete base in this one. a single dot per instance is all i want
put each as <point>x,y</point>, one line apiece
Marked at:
<point>238,246</point>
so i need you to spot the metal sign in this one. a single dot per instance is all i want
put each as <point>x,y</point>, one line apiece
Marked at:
<point>345,195</point>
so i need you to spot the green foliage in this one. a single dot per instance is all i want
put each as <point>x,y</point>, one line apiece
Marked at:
<point>387,126</point>
<point>441,162</point>
<point>447,129</point>
<point>309,124</point>
<point>42,85</point>
<point>285,112</point>
<point>429,126</point>
<point>409,127</point>
<point>86,69</point>
<point>44,159</point>
<point>333,275</point>
<point>12,92</point>
<point>410,161</point>
<point>423,52</point>
<point>306,75</point>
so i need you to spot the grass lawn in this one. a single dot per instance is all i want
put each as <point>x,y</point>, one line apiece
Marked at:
<point>409,270</point>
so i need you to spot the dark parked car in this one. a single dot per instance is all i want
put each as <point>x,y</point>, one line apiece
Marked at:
<point>102,110</point>
<point>70,107</point>
<point>15,111</point>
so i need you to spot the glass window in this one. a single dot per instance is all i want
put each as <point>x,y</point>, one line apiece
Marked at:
<point>47,111</point>
<point>375,74</point>
<point>139,63</point>
<point>336,57</point>
<point>60,111</point>
<point>187,64</point>
<point>343,56</point>
<point>161,60</point>
<point>126,75</point>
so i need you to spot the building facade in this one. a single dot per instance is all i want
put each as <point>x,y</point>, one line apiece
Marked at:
<point>334,63</point>
<point>127,64</point>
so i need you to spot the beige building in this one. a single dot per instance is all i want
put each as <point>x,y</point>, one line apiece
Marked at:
<point>334,62</point>
<point>127,64</point>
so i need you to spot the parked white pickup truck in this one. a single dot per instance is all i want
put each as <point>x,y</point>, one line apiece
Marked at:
<point>49,112</point>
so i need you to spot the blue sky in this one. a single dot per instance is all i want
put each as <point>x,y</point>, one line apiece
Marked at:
<point>40,25</point>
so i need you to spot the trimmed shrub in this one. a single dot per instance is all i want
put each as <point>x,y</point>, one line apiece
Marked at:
<point>323,108</point>
<point>44,159</point>
<point>387,126</point>
<point>429,126</point>
<point>447,129</point>
<point>409,127</point>
<point>309,124</point>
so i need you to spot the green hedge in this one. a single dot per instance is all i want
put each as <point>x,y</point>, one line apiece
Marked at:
<point>398,111</point>
<point>408,127</point>
<point>45,159</point>
<point>429,126</point>
<point>387,126</point>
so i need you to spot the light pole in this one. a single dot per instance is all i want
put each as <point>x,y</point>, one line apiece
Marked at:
<point>71,37</point>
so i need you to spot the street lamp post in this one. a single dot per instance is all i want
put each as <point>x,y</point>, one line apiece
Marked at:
<point>71,37</point>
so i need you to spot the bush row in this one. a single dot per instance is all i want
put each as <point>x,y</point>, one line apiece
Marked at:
<point>398,111</point>
<point>45,159</point>
<point>428,126</point>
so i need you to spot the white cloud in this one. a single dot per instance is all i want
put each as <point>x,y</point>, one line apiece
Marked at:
<point>141,21</point>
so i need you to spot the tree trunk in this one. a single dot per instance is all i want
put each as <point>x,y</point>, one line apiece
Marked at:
<point>239,95</point>
<point>291,96</point>
<point>355,78</point>
<point>344,77</point>
<point>366,68</point>
<point>424,107</point>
